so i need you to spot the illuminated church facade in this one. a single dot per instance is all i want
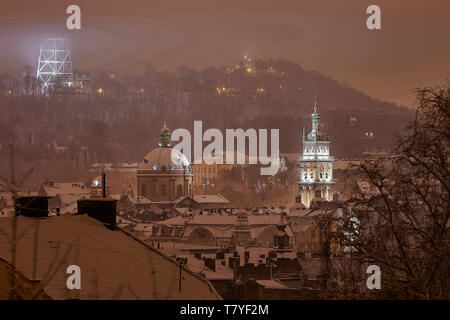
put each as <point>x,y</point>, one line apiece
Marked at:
<point>164,174</point>
<point>316,165</point>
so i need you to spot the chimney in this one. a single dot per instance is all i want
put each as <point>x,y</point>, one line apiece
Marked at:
<point>220,255</point>
<point>104,185</point>
<point>103,210</point>
<point>198,255</point>
<point>33,207</point>
<point>210,263</point>
<point>235,265</point>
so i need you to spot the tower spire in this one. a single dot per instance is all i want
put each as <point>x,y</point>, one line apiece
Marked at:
<point>315,102</point>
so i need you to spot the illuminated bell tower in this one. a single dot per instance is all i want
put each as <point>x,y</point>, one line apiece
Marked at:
<point>316,165</point>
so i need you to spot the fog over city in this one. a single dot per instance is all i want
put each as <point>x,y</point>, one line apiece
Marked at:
<point>236,150</point>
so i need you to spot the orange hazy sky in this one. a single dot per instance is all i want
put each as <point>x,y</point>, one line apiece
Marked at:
<point>412,49</point>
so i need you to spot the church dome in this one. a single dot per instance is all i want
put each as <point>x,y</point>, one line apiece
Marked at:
<point>164,159</point>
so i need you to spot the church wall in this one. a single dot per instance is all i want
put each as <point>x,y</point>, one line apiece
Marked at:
<point>163,187</point>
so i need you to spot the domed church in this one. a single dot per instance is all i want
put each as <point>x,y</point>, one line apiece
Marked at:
<point>164,174</point>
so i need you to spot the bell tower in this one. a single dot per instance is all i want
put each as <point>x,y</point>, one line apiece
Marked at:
<point>316,164</point>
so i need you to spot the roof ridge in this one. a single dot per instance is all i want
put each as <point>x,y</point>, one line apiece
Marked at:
<point>162,254</point>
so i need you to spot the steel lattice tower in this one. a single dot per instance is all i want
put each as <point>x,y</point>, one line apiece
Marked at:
<point>55,64</point>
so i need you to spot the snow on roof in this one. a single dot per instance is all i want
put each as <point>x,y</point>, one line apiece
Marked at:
<point>273,284</point>
<point>210,198</point>
<point>140,199</point>
<point>70,208</point>
<point>53,189</point>
<point>114,263</point>
<point>222,219</point>
<point>67,199</point>
<point>222,272</point>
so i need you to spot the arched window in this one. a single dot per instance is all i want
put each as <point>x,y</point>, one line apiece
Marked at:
<point>179,190</point>
<point>311,175</point>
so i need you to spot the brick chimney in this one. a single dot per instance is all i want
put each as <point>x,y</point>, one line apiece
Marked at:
<point>103,210</point>
<point>33,207</point>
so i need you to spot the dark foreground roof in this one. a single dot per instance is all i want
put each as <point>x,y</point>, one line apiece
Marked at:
<point>114,264</point>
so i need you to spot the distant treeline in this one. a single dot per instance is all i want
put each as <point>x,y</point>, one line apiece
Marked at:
<point>113,118</point>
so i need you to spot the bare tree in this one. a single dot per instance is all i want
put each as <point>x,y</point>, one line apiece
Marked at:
<point>402,211</point>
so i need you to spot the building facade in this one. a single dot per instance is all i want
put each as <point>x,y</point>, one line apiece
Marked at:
<point>316,165</point>
<point>164,174</point>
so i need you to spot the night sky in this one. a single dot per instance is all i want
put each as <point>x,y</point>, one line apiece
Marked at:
<point>411,50</point>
